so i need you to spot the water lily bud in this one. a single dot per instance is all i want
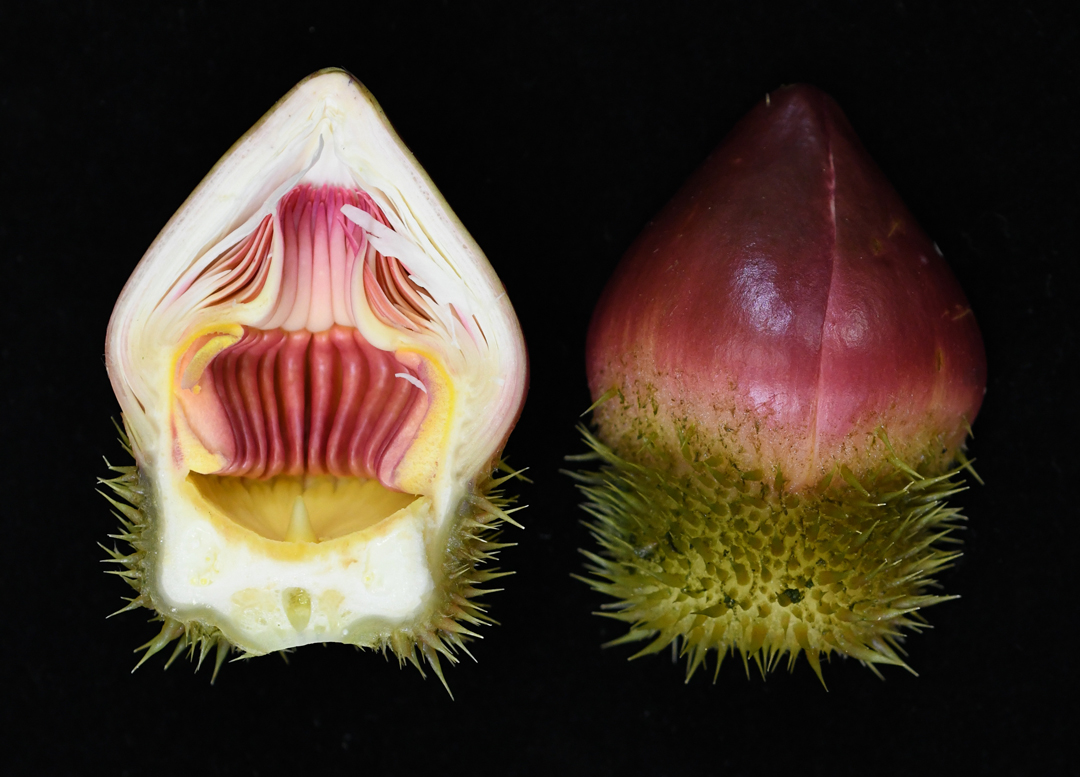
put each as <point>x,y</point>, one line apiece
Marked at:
<point>318,370</point>
<point>785,373</point>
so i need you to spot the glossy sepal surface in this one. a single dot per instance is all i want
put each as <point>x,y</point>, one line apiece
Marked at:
<point>787,294</point>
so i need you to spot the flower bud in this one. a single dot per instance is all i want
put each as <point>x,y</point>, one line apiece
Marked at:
<point>318,370</point>
<point>785,373</point>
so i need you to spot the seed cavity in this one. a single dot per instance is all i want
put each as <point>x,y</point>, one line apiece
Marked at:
<point>297,604</point>
<point>300,509</point>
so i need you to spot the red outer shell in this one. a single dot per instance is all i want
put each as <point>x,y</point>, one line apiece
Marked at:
<point>786,302</point>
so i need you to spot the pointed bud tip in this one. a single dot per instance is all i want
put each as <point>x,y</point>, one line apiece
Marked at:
<point>786,301</point>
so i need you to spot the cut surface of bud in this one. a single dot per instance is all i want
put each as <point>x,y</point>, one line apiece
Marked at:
<point>785,372</point>
<point>318,370</point>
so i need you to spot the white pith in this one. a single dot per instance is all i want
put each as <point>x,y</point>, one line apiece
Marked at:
<point>203,567</point>
<point>356,585</point>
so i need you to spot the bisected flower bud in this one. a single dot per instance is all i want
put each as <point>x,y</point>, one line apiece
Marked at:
<point>785,373</point>
<point>318,370</point>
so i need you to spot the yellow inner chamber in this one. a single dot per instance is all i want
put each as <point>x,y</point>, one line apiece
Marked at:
<point>303,508</point>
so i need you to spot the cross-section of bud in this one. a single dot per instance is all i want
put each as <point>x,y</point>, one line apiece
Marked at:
<point>318,371</point>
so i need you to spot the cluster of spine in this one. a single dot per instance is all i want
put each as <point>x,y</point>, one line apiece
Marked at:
<point>194,637</point>
<point>706,557</point>
<point>472,545</point>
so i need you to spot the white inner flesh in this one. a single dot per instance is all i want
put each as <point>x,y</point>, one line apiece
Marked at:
<point>267,597</point>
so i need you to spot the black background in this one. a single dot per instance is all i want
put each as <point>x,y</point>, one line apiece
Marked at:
<point>555,130</point>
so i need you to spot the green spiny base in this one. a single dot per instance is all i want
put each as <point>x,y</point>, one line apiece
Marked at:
<point>472,544</point>
<point>193,636</point>
<point>705,557</point>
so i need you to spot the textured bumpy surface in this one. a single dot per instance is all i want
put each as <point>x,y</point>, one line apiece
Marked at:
<point>708,557</point>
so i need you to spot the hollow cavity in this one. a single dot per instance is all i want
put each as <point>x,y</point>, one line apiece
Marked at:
<point>301,509</point>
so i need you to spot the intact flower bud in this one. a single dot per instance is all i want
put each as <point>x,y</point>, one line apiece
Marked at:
<point>785,372</point>
<point>318,370</point>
